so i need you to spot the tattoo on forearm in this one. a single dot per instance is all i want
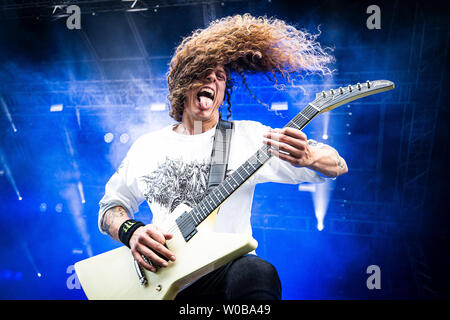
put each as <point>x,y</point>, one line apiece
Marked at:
<point>111,215</point>
<point>314,143</point>
<point>340,162</point>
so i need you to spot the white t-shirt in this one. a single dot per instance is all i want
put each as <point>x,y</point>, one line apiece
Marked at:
<point>166,168</point>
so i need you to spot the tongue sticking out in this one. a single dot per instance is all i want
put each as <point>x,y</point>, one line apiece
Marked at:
<point>205,103</point>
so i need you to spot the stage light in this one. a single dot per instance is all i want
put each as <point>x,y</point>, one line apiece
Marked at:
<point>59,208</point>
<point>39,274</point>
<point>43,207</point>
<point>8,114</point>
<point>56,108</point>
<point>108,137</point>
<point>307,187</point>
<point>133,4</point>
<point>75,208</point>
<point>320,226</point>
<point>8,173</point>
<point>137,9</point>
<point>81,192</point>
<point>321,199</point>
<point>56,8</point>
<point>124,138</point>
<point>158,106</point>
<point>326,121</point>
<point>20,198</point>
<point>279,106</point>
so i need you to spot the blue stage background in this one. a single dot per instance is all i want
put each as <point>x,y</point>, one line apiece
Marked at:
<point>104,78</point>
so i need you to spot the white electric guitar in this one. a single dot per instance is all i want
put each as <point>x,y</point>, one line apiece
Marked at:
<point>116,275</point>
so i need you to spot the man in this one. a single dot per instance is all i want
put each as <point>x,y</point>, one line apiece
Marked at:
<point>170,166</point>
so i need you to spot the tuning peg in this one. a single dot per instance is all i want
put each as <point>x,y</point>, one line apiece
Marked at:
<point>368,84</point>
<point>323,94</point>
<point>359,86</point>
<point>341,91</point>
<point>332,91</point>
<point>350,88</point>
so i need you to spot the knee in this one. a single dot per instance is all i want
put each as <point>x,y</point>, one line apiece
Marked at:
<point>255,274</point>
<point>261,269</point>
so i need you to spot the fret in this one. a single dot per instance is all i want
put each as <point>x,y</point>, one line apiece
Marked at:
<point>239,175</point>
<point>218,189</point>
<point>248,164</point>
<point>194,216</point>
<point>254,160</point>
<point>243,175</point>
<point>207,204</point>
<point>297,127</point>
<point>198,214</point>
<point>304,116</point>
<point>202,205</point>
<point>313,106</point>
<point>227,192</point>
<point>214,194</point>
<point>217,194</point>
<point>231,176</point>
<point>231,187</point>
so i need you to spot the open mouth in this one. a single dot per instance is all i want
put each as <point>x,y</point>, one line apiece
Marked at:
<point>206,92</point>
<point>206,97</point>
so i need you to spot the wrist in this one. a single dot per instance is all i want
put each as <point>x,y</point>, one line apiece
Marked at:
<point>127,230</point>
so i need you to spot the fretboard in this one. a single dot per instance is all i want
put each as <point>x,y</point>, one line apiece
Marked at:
<point>219,194</point>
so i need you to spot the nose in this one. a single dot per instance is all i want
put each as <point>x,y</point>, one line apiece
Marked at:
<point>211,77</point>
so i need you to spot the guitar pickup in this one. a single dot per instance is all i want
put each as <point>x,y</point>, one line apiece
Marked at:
<point>186,224</point>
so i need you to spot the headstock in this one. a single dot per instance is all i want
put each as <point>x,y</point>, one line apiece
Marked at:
<point>330,99</point>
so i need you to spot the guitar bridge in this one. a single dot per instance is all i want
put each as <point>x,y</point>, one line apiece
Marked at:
<point>186,224</point>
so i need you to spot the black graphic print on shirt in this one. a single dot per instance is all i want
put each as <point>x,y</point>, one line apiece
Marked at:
<point>175,182</point>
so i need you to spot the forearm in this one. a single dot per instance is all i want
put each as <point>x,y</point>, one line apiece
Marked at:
<point>112,220</point>
<point>327,161</point>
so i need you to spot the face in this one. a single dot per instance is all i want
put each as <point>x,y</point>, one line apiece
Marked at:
<point>202,104</point>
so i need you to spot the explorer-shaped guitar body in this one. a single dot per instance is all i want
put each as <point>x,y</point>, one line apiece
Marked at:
<point>112,275</point>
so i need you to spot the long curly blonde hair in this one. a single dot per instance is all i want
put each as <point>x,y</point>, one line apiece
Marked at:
<point>243,44</point>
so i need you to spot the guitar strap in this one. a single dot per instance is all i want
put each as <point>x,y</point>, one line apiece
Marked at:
<point>220,154</point>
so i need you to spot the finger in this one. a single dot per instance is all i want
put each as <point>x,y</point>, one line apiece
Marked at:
<point>284,147</point>
<point>138,257</point>
<point>158,247</point>
<point>294,142</point>
<point>156,234</point>
<point>286,157</point>
<point>151,254</point>
<point>168,236</point>
<point>295,133</point>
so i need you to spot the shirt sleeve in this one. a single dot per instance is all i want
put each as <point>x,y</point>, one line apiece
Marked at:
<point>280,171</point>
<point>121,190</point>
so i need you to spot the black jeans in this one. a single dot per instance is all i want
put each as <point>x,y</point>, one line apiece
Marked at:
<point>246,278</point>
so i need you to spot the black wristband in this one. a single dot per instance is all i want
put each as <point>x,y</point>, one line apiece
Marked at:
<point>127,229</point>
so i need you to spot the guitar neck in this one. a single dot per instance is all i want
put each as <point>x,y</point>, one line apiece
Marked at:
<point>219,194</point>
